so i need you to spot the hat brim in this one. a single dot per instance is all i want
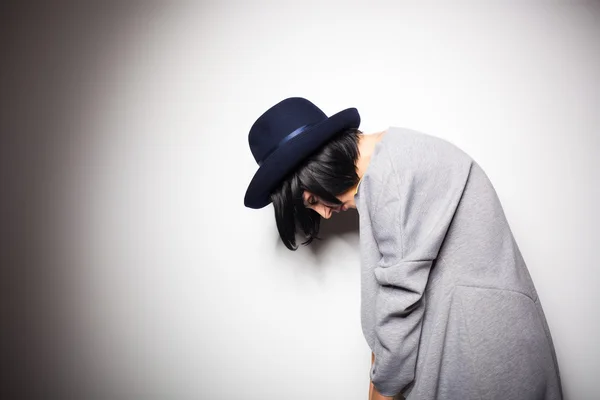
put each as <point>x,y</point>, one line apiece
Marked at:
<point>288,156</point>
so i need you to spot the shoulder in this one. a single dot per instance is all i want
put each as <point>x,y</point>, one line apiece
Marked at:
<point>414,167</point>
<point>410,165</point>
<point>409,148</point>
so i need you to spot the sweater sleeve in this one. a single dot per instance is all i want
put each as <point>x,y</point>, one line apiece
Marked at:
<point>421,192</point>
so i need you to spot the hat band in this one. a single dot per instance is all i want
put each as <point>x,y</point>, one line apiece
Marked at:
<point>296,132</point>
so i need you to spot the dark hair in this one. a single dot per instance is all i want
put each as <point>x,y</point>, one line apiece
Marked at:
<point>328,172</point>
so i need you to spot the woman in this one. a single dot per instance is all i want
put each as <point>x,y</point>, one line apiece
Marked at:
<point>448,307</point>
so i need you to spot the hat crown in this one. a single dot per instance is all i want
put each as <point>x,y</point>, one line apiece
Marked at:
<point>282,119</point>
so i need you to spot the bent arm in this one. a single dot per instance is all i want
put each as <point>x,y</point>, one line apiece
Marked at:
<point>374,394</point>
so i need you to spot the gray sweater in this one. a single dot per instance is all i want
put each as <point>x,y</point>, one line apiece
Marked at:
<point>447,303</point>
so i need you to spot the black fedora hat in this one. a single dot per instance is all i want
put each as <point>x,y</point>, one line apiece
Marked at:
<point>283,136</point>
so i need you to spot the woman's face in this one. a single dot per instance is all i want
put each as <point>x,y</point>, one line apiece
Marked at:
<point>324,208</point>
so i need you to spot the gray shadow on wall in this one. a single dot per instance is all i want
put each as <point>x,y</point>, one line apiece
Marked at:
<point>344,225</point>
<point>51,55</point>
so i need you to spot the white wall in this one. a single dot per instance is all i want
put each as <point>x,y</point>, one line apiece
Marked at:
<point>176,290</point>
